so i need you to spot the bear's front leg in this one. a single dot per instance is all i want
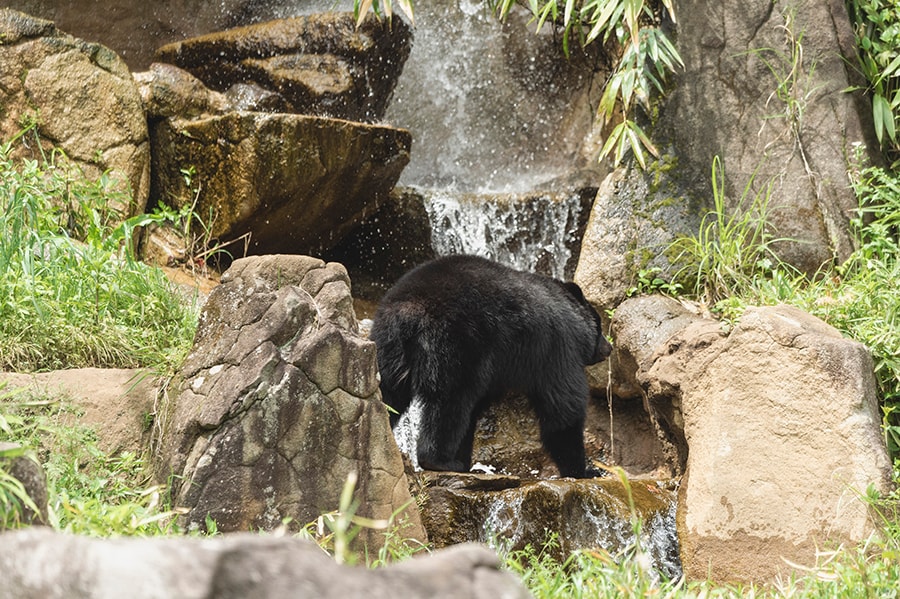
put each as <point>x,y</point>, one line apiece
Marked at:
<point>566,447</point>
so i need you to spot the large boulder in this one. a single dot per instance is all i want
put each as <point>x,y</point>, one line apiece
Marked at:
<point>42,564</point>
<point>278,403</point>
<point>322,64</point>
<point>295,183</point>
<point>81,97</point>
<point>635,215</point>
<point>783,433</point>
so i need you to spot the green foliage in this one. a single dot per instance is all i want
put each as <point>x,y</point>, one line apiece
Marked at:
<point>90,491</point>
<point>72,293</point>
<point>651,280</point>
<point>645,55</point>
<point>877,26</point>
<point>14,498</point>
<point>729,252</point>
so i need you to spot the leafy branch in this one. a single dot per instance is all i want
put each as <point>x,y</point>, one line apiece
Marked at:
<point>877,25</point>
<point>646,56</point>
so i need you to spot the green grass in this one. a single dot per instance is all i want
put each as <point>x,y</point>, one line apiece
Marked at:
<point>72,293</point>
<point>90,492</point>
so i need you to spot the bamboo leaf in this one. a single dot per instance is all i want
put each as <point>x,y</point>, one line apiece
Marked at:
<point>567,13</point>
<point>362,10</point>
<point>604,18</point>
<point>633,10</point>
<point>881,112</point>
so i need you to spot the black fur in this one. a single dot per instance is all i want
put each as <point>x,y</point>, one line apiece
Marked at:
<point>461,331</point>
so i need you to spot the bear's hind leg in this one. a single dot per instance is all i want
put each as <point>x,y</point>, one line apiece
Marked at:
<point>561,412</point>
<point>443,442</point>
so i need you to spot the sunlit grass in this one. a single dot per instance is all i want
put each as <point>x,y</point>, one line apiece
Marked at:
<point>72,293</point>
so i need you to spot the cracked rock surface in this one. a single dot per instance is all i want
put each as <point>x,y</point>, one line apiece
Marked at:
<point>278,403</point>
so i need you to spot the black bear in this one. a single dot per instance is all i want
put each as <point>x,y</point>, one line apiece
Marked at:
<point>460,331</point>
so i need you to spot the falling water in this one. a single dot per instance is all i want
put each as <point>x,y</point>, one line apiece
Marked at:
<point>535,233</point>
<point>491,106</point>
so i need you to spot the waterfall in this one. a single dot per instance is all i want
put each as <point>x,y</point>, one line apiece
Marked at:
<point>491,106</point>
<point>496,111</point>
<point>534,232</point>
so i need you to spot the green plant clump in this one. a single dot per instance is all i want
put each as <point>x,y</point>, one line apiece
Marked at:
<point>877,26</point>
<point>72,293</point>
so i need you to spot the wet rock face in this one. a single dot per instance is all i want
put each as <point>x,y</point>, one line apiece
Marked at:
<point>278,402</point>
<point>83,99</point>
<point>319,64</point>
<point>585,514</point>
<point>296,183</point>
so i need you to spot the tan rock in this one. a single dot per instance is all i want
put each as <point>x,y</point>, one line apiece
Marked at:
<point>783,429</point>
<point>83,99</point>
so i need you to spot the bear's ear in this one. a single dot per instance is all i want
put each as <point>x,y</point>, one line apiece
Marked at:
<point>575,290</point>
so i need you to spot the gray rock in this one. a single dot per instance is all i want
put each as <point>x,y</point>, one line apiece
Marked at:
<point>278,403</point>
<point>725,104</point>
<point>634,217</point>
<point>41,564</point>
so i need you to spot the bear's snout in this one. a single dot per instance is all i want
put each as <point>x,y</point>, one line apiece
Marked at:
<point>604,348</point>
